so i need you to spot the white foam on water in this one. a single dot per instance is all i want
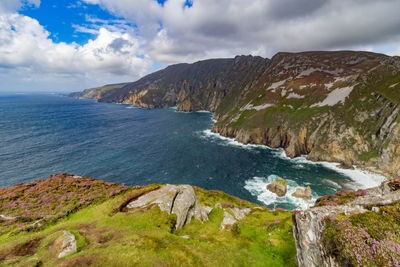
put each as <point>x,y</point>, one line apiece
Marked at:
<point>257,186</point>
<point>203,111</point>
<point>362,179</point>
<point>229,141</point>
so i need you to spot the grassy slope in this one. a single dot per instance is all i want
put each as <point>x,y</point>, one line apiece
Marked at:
<point>107,237</point>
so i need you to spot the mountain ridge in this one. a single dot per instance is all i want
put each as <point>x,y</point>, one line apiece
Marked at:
<point>338,106</point>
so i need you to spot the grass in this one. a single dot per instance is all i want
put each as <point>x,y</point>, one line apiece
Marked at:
<point>366,156</point>
<point>108,235</point>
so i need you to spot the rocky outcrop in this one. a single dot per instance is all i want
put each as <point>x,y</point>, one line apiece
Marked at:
<point>229,221</point>
<point>177,199</point>
<point>68,244</point>
<point>308,225</point>
<point>303,193</point>
<point>278,187</point>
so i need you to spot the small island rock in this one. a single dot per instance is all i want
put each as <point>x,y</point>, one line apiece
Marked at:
<point>278,187</point>
<point>303,193</point>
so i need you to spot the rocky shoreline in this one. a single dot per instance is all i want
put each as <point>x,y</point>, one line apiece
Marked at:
<point>341,106</point>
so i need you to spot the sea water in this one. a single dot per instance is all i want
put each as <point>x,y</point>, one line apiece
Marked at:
<point>42,134</point>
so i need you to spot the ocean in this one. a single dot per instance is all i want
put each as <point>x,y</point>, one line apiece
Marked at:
<point>43,134</point>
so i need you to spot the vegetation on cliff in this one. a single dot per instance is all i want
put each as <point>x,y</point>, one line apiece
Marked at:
<point>360,228</point>
<point>368,239</point>
<point>107,233</point>
<point>341,106</point>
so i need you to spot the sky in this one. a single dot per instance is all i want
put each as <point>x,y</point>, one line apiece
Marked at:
<point>65,45</point>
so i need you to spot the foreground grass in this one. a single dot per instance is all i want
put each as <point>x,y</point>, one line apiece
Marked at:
<point>109,236</point>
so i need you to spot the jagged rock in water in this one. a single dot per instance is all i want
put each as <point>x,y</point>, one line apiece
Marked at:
<point>68,244</point>
<point>177,199</point>
<point>303,193</point>
<point>278,187</point>
<point>308,225</point>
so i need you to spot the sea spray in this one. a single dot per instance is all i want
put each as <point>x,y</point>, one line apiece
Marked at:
<point>257,186</point>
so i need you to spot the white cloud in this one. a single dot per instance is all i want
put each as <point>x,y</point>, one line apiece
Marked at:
<point>173,33</point>
<point>229,27</point>
<point>25,48</point>
<point>395,52</point>
<point>14,5</point>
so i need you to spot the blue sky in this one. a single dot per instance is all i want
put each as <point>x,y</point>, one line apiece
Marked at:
<point>67,45</point>
<point>59,16</point>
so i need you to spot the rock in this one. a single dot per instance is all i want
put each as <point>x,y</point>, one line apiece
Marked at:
<point>278,187</point>
<point>68,244</point>
<point>177,199</point>
<point>240,213</point>
<point>303,193</point>
<point>6,218</point>
<point>375,209</point>
<point>228,221</point>
<point>308,225</point>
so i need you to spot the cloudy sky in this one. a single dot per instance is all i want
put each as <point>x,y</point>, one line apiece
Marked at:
<point>65,45</point>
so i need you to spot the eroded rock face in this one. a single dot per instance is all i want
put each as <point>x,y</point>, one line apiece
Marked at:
<point>177,199</point>
<point>303,193</point>
<point>68,244</point>
<point>278,187</point>
<point>308,225</point>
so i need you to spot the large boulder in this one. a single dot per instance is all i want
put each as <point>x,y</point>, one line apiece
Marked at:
<point>278,187</point>
<point>303,193</point>
<point>177,199</point>
<point>68,244</point>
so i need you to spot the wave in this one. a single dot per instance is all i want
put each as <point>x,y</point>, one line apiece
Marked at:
<point>257,186</point>
<point>229,141</point>
<point>361,178</point>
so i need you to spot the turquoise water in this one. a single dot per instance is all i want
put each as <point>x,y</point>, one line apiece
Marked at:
<point>45,134</point>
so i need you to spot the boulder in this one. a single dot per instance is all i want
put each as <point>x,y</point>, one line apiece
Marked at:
<point>228,221</point>
<point>303,193</point>
<point>240,213</point>
<point>68,244</point>
<point>177,199</point>
<point>278,187</point>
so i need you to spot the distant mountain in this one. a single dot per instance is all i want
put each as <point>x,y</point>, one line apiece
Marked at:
<point>341,106</point>
<point>97,92</point>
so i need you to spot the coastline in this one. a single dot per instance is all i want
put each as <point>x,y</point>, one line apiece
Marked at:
<point>357,174</point>
<point>358,171</point>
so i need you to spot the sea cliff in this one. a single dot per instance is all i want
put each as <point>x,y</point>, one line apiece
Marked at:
<point>339,106</point>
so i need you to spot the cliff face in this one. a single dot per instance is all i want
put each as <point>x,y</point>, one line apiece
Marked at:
<point>334,106</point>
<point>351,229</point>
